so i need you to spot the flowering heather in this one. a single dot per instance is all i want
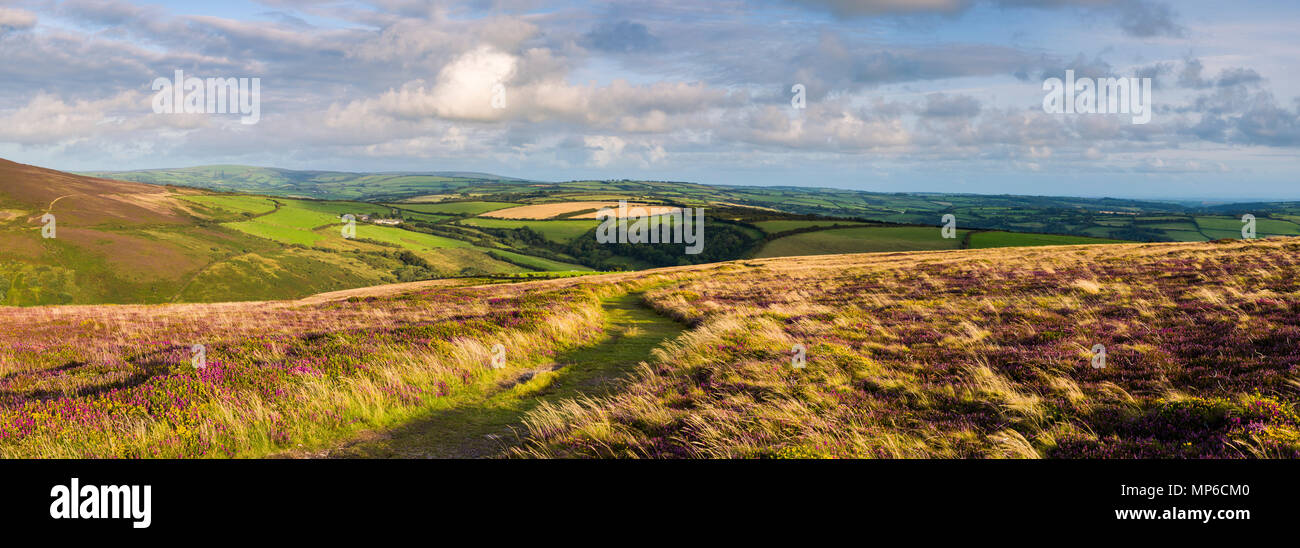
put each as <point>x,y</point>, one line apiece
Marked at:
<point>118,381</point>
<point>975,353</point>
<point>981,353</point>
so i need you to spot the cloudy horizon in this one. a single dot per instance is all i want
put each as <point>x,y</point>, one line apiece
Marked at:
<point>922,96</point>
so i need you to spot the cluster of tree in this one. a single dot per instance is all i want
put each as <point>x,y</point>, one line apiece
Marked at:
<point>412,267</point>
<point>723,241</point>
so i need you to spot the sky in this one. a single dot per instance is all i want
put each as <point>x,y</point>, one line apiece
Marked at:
<point>897,95</point>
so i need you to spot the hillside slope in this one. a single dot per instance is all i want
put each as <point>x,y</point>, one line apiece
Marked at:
<point>126,242</point>
<point>966,353</point>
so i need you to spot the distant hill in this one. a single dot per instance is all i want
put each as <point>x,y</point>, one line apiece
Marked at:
<point>184,237</point>
<point>329,185</point>
<point>1104,218</point>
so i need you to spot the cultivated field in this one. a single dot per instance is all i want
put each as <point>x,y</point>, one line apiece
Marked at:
<point>961,353</point>
<point>570,210</point>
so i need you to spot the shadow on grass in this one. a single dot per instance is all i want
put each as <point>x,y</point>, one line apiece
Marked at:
<point>485,427</point>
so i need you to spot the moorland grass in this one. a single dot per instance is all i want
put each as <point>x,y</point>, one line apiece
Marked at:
<point>951,354</point>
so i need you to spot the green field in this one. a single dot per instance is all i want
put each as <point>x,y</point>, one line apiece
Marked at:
<point>1187,236</point>
<point>773,227</point>
<point>1227,227</point>
<point>981,240</point>
<point>1107,218</point>
<point>291,224</point>
<point>277,233</point>
<point>861,240</point>
<point>556,231</point>
<point>415,241</point>
<point>540,263</point>
<point>338,208</point>
<point>254,205</point>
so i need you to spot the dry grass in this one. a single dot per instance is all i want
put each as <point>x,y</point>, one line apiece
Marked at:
<point>982,353</point>
<point>966,354</point>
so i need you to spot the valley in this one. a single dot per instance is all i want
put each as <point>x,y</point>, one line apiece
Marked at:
<point>232,233</point>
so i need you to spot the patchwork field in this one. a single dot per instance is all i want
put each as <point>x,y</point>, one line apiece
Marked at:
<point>456,208</point>
<point>1106,218</point>
<point>860,240</point>
<point>126,242</point>
<point>962,353</point>
<point>570,210</point>
<point>556,231</point>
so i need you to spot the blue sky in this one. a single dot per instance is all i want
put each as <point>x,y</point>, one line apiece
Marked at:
<point>916,95</point>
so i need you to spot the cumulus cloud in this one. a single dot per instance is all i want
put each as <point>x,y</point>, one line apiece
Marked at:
<point>16,19</point>
<point>50,120</point>
<point>486,85</point>
<point>648,85</point>
<point>1192,76</point>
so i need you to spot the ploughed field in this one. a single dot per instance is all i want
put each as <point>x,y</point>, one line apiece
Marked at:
<point>953,353</point>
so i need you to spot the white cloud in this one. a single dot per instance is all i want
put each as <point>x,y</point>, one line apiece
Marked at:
<point>50,120</point>
<point>605,149</point>
<point>14,18</point>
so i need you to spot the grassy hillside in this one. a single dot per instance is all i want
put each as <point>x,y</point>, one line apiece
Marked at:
<point>963,353</point>
<point>126,242</point>
<point>981,240</point>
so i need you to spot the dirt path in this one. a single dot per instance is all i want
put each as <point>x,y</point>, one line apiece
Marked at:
<point>487,427</point>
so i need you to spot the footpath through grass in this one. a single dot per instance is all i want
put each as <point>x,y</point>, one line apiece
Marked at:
<point>486,425</point>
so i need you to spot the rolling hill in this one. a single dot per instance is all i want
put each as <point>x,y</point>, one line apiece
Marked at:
<point>327,185</point>
<point>950,353</point>
<point>126,242</point>
<point>1101,218</point>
